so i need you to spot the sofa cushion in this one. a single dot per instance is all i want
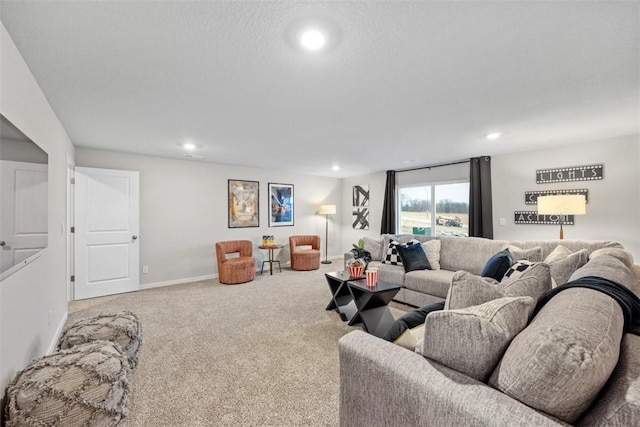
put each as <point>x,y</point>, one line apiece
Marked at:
<point>532,254</point>
<point>389,273</point>
<point>87,384</point>
<point>467,253</point>
<point>407,329</point>
<point>392,256</point>
<point>559,253</point>
<point>562,269</point>
<point>517,269</point>
<point>374,247</point>
<point>607,267</point>
<point>472,340</point>
<point>432,282</point>
<point>413,257</point>
<point>498,265</point>
<point>432,250</point>
<point>559,363</point>
<point>467,289</point>
<point>621,254</point>
<point>619,402</point>
<point>122,328</point>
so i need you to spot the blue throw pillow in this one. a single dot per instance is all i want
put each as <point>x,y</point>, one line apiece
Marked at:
<point>498,265</point>
<point>413,257</point>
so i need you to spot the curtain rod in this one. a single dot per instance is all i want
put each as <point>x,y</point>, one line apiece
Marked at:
<point>435,166</point>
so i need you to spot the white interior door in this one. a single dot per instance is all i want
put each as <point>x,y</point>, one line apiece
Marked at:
<point>106,222</point>
<point>24,199</point>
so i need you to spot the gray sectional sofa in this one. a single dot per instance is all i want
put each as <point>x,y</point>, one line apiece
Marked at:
<point>495,358</point>
<point>457,253</point>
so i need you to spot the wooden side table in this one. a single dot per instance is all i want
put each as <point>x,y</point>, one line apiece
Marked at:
<point>271,248</point>
<point>341,299</point>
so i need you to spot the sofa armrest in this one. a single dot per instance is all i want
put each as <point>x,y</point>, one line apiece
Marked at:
<point>382,384</point>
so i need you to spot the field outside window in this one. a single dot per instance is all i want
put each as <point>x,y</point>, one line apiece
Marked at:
<point>449,216</point>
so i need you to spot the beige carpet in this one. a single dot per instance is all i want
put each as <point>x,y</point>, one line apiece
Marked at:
<point>260,353</point>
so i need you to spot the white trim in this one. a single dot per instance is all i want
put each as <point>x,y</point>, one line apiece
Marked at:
<point>54,344</point>
<point>177,281</point>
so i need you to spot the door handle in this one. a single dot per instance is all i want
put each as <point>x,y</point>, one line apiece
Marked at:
<point>2,243</point>
<point>134,237</point>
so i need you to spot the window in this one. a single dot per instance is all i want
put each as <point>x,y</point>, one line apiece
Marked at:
<point>449,215</point>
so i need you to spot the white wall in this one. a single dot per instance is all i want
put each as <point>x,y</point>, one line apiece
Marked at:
<point>613,210</point>
<point>183,210</point>
<point>30,294</point>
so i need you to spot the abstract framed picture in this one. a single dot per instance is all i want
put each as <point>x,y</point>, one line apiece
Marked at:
<point>360,218</point>
<point>280,205</point>
<point>243,203</point>
<point>360,195</point>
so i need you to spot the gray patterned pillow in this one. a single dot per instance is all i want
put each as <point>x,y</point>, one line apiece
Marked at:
<point>472,340</point>
<point>374,247</point>
<point>563,269</point>
<point>533,254</point>
<point>559,253</point>
<point>432,250</point>
<point>467,289</point>
<point>84,385</point>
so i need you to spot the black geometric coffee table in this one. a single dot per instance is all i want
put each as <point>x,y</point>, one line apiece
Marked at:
<point>371,305</point>
<point>341,299</point>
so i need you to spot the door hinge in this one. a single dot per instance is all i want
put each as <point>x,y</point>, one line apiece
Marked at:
<point>73,229</point>
<point>73,278</point>
<point>73,180</point>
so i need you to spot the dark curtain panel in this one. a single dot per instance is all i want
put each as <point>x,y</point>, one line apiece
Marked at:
<point>389,208</point>
<point>480,205</point>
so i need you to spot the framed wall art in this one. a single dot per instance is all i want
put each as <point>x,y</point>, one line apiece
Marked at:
<point>280,205</point>
<point>243,203</point>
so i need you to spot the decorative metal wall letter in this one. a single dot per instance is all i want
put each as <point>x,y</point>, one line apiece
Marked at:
<point>532,217</point>
<point>575,173</point>
<point>531,197</point>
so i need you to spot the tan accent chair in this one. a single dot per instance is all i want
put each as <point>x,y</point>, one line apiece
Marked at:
<point>305,259</point>
<point>241,269</point>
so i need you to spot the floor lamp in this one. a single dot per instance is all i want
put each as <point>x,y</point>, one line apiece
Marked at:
<point>561,205</point>
<point>326,210</point>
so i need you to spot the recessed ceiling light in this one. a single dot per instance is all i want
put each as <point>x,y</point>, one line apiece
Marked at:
<point>313,39</point>
<point>189,146</point>
<point>336,168</point>
<point>494,135</point>
<point>409,161</point>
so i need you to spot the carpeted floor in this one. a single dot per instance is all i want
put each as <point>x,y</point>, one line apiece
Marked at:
<point>260,353</point>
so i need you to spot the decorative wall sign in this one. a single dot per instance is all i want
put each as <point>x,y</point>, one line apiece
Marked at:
<point>360,195</point>
<point>243,203</point>
<point>575,173</point>
<point>532,217</point>
<point>531,197</point>
<point>361,218</point>
<point>280,204</point>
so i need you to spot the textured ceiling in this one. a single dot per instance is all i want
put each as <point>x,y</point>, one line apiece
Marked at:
<point>421,81</point>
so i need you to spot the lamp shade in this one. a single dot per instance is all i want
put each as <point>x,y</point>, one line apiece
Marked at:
<point>327,210</point>
<point>562,204</point>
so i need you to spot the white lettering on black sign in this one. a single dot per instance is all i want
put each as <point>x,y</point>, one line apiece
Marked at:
<point>532,217</point>
<point>575,173</point>
<point>531,197</point>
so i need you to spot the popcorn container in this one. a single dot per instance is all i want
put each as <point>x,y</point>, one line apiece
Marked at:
<point>372,277</point>
<point>356,271</point>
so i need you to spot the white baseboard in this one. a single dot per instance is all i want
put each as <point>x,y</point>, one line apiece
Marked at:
<point>54,344</point>
<point>178,281</point>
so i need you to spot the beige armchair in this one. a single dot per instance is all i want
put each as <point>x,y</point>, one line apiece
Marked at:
<point>240,269</point>
<point>305,259</point>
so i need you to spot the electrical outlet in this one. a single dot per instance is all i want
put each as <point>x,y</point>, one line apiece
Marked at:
<point>50,315</point>
<point>503,221</point>
<point>145,269</point>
